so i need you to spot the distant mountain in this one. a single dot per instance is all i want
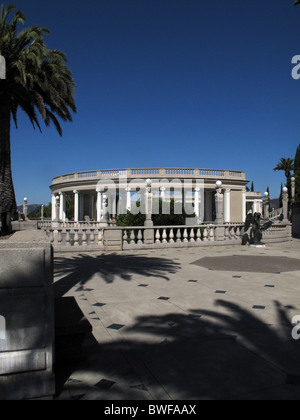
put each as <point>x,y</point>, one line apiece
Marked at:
<point>31,207</point>
<point>274,203</point>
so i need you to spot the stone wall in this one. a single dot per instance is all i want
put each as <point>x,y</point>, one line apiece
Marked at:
<point>27,312</point>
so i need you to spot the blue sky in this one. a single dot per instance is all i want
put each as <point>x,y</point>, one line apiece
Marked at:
<point>176,83</point>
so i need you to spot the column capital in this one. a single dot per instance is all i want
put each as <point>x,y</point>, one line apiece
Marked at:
<point>75,191</point>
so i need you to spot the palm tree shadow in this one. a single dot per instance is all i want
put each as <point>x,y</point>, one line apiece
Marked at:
<point>205,355</point>
<point>79,269</point>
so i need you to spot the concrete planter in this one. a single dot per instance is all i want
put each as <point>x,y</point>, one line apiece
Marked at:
<point>27,312</point>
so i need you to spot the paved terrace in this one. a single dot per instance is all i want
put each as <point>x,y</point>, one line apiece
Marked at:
<point>174,324</point>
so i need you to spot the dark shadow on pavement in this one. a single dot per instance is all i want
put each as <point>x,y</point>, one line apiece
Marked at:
<point>79,269</point>
<point>226,354</point>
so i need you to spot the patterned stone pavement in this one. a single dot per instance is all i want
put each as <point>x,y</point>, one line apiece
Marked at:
<point>174,324</point>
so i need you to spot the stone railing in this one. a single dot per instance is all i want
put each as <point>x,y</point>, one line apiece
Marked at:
<point>70,236</point>
<point>151,172</point>
<point>275,214</point>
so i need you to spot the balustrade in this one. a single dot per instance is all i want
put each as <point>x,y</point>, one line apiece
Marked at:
<point>92,236</point>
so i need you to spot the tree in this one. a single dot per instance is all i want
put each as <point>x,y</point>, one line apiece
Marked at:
<point>160,219</point>
<point>286,165</point>
<point>38,82</point>
<point>297,172</point>
<point>281,197</point>
<point>36,214</point>
<point>268,191</point>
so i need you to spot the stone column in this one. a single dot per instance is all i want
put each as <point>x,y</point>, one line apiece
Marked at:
<point>99,204</point>
<point>196,202</point>
<point>114,205</point>
<point>227,205</point>
<point>25,208</point>
<point>244,205</point>
<point>285,201</point>
<point>62,210</point>
<point>53,214</point>
<point>42,212</point>
<point>128,198</point>
<point>76,206</point>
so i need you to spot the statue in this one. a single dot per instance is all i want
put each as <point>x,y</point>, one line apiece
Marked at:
<point>255,235</point>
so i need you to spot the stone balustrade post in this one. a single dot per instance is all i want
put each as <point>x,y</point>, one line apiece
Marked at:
<point>148,201</point>
<point>285,201</point>
<point>293,189</point>
<point>219,201</point>
<point>25,208</point>
<point>266,206</point>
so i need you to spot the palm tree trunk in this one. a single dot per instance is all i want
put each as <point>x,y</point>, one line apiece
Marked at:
<point>7,194</point>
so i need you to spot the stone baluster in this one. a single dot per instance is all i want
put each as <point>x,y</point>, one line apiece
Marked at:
<point>212,234</point>
<point>68,239</point>
<point>192,235</point>
<point>132,237</point>
<point>226,233</point>
<point>164,236</point>
<point>198,234</point>
<point>157,236</point>
<point>84,237</point>
<point>100,237</point>
<point>92,237</point>
<point>185,235</point>
<point>171,236</point>
<point>178,236</point>
<point>76,238</point>
<point>125,236</point>
<point>59,237</point>
<point>205,235</point>
<point>140,237</point>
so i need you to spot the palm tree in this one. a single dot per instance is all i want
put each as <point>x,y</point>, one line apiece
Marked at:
<point>37,82</point>
<point>286,165</point>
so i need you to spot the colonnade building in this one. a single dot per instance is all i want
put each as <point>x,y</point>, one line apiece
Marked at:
<point>123,188</point>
